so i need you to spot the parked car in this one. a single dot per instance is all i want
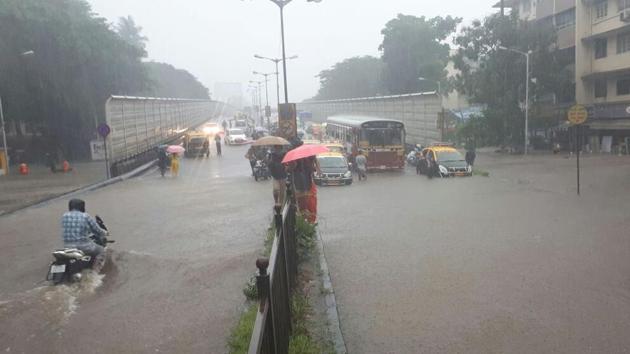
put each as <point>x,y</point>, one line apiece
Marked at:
<point>235,136</point>
<point>335,170</point>
<point>448,160</point>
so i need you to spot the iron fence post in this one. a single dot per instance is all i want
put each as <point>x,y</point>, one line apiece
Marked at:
<point>262,281</point>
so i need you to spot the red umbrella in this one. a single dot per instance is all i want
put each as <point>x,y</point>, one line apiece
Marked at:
<point>304,151</point>
<point>175,149</point>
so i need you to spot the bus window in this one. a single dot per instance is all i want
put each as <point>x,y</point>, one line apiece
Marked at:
<point>382,137</point>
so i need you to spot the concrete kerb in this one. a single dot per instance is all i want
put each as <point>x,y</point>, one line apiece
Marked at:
<point>138,171</point>
<point>332,313</point>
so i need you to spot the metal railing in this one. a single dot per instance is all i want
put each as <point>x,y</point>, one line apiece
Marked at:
<point>275,282</point>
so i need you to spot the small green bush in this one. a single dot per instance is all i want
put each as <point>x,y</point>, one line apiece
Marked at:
<point>251,290</point>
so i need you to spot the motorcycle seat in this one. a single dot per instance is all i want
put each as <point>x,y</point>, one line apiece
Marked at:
<point>68,253</point>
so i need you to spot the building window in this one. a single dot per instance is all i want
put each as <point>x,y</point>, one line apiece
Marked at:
<point>623,43</point>
<point>623,4</point>
<point>601,48</point>
<point>601,88</point>
<point>527,7</point>
<point>565,19</point>
<point>601,9</point>
<point>623,86</point>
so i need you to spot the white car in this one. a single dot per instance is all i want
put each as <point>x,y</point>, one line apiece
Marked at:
<point>235,136</point>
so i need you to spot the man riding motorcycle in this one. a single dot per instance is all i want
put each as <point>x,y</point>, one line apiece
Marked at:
<point>78,226</point>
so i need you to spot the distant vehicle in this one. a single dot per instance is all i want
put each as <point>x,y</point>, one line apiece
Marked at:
<point>335,147</point>
<point>335,170</point>
<point>449,162</point>
<point>239,123</point>
<point>211,128</point>
<point>196,144</point>
<point>235,136</point>
<point>382,140</point>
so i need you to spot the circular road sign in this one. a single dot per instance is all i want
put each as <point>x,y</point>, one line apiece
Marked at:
<point>577,114</point>
<point>103,130</point>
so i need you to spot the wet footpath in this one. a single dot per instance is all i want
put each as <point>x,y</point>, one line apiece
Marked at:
<point>184,248</point>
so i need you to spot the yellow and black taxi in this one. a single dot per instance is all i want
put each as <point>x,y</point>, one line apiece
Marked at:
<point>334,170</point>
<point>442,160</point>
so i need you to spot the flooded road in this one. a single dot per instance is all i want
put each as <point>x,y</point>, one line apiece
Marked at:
<point>513,263</point>
<point>184,249</point>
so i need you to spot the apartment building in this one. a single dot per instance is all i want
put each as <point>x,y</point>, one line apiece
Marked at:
<point>598,31</point>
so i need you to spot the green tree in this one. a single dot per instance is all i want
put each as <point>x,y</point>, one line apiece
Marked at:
<point>415,47</point>
<point>78,62</point>
<point>496,78</point>
<point>131,33</point>
<point>351,78</point>
<point>168,81</point>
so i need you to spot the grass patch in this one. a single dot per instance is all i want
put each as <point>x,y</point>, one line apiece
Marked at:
<point>306,237</point>
<point>479,172</point>
<point>242,333</point>
<point>301,341</point>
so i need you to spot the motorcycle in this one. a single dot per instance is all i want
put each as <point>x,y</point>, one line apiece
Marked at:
<point>70,262</point>
<point>261,170</point>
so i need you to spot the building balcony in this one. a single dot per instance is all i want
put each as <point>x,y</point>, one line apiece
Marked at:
<point>607,26</point>
<point>612,65</point>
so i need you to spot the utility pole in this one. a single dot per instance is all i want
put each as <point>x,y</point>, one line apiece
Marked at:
<point>502,8</point>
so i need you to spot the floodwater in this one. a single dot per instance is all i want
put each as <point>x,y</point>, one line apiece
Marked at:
<point>173,281</point>
<point>512,263</point>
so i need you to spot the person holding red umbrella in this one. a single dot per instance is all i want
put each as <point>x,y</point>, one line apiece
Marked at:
<point>302,164</point>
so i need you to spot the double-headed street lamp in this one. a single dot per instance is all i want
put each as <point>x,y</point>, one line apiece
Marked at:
<point>253,90</point>
<point>281,4</point>
<point>267,108</point>
<point>527,55</point>
<point>4,134</point>
<point>258,88</point>
<point>276,61</point>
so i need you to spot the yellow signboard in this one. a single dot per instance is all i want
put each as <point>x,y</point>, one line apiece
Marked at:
<point>577,114</point>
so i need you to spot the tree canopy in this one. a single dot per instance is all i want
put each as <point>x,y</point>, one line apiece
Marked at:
<point>415,47</point>
<point>412,48</point>
<point>78,60</point>
<point>131,33</point>
<point>351,78</point>
<point>495,77</point>
<point>168,81</point>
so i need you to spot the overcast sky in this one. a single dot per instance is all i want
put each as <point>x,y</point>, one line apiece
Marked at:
<point>216,39</point>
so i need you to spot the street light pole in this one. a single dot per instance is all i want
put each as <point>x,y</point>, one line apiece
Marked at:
<point>259,87</point>
<point>527,55</point>
<point>267,113</point>
<point>281,4</point>
<point>277,62</point>
<point>284,54</point>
